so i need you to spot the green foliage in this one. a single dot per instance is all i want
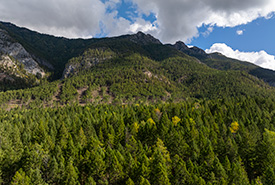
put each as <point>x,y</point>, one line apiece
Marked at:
<point>148,115</point>
<point>20,178</point>
<point>221,62</point>
<point>114,144</point>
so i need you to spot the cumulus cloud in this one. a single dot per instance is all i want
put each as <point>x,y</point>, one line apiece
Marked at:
<point>239,32</point>
<point>260,58</point>
<point>175,19</point>
<point>67,18</point>
<point>179,19</point>
<point>70,18</point>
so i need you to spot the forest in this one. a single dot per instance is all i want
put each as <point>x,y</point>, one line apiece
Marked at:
<point>226,141</point>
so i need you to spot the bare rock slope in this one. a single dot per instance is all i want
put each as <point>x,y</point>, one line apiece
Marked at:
<point>10,48</point>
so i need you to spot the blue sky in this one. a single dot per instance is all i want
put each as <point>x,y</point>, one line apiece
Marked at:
<point>254,36</point>
<point>257,35</point>
<point>238,29</point>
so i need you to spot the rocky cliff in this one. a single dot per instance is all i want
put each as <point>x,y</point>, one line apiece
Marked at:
<point>90,58</point>
<point>10,48</point>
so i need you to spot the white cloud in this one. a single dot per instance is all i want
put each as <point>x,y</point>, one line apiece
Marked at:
<point>115,26</point>
<point>67,18</point>
<point>71,18</point>
<point>179,19</point>
<point>175,19</point>
<point>239,32</point>
<point>260,58</point>
<point>208,31</point>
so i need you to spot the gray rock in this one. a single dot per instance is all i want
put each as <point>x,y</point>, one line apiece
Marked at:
<point>10,47</point>
<point>89,59</point>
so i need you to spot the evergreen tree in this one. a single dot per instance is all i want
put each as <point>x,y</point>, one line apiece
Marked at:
<point>71,174</point>
<point>36,178</point>
<point>130,182</point>
<point>269,176</point>
<point>160,164</point>
<point>20,178</point>
<point>180,173</point>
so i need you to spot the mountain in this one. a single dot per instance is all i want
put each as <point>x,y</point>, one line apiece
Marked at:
<point>131,110</point>
<point>53,53</point>
<point>18,67</point>
<point>221,62</point>
<point>193,51</point>
<point>131,68</point>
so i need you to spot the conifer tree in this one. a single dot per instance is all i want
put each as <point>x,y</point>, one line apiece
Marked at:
<point>20,178</point>
<point>130,182</point>
<point>71,174</point>
<point>160,165</point>
<point>180,173</point>
<point>90,181</point>
<point>144,181</point>
<point>114,168</point>
<point>269,176</point>
<point>36,178</point>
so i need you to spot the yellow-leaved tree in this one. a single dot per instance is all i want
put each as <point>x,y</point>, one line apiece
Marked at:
<point>234,127</point>
<point>175,120</point>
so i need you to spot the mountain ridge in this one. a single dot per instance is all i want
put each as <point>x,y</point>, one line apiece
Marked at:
<point>55,54</point>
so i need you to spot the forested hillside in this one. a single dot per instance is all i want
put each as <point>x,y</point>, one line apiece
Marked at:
<point>229,141</point>
<point>54,53</point>
<point>136,79</point>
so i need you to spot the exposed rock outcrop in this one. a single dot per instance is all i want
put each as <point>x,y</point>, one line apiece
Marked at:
<point>10,47</point>
<point>90,58</point>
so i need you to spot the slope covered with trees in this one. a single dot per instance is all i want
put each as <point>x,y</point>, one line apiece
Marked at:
<point>230,141</point>
<point>137,79</point>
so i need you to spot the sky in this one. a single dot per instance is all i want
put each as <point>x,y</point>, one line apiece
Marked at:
<point>241,29</point>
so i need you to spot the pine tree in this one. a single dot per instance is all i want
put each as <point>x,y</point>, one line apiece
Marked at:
<point>20,178</point>
<point>130,182</point>
<point>144,181</point>
<point>269,176</point>
<point>71,174</point>
<point>180,173</point>
<point>238,174</point>
<point>220,172</point>
<point>90,181</point>
<point>144,169</point>
<point>36,178</point>
<point>53,171</point>
<point>160,165</point>
<point>114,168</point>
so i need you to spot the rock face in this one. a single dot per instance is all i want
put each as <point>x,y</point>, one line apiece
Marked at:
<point>7,68</point>
<point>72,69</point>
<point>14,49</point>
<point>90,58</point>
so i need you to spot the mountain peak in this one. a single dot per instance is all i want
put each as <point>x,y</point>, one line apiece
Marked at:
<point>143,39</point>
<point>192,51</point>
<point>198,50</point>
<point>179,45</point>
